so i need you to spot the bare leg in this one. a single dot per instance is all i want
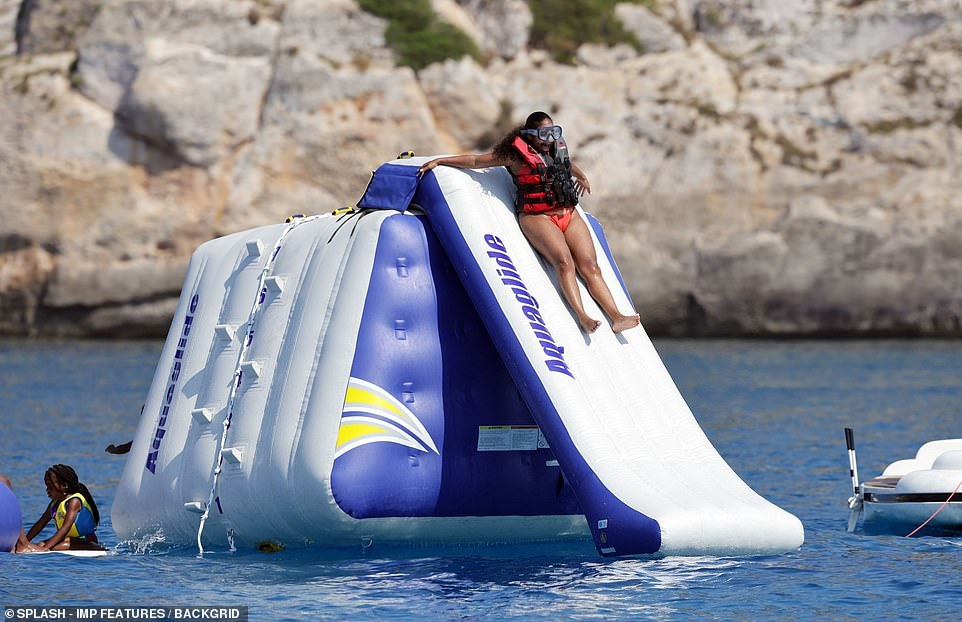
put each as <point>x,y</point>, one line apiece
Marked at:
<point>548,240</point>
<point>79,544</point>
<point>582,249</point>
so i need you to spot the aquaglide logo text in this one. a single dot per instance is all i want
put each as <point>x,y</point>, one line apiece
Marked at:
<point>172,380</point>
<point>555,360</point>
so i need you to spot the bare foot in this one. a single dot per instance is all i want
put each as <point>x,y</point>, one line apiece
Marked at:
<point>625,322</point>
<point>589,324</point>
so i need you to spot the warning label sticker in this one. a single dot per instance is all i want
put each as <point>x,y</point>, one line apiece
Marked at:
<point>510,438</point>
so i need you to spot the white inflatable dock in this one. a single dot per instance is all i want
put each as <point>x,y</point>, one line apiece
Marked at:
<point>407,373</point>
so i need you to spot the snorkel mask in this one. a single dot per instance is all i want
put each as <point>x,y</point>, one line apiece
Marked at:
<point>545,133</point>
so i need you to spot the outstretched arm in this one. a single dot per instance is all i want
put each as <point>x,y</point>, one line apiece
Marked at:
<point>483,160</point>
<point>119,449</point>
<point>39,525</point>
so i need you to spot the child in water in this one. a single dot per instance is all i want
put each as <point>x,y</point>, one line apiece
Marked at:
<point>73,510</point>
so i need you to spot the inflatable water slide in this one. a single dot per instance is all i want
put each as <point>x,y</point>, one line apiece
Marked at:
<point>406,372</point>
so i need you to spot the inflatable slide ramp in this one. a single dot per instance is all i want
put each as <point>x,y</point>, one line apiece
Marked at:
<point>407,373</point>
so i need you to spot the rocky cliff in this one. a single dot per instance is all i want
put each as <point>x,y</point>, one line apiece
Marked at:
<point>761,167</point>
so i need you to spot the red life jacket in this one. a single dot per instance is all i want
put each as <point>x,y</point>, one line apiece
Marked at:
<point>544,184</point>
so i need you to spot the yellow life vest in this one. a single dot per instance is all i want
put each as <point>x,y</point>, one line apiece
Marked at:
<point>83,525</point>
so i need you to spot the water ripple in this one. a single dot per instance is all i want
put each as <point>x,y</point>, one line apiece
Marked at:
<point>774,410</point>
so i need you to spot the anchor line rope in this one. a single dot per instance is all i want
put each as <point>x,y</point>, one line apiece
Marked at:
<point>941,507</point>
<point>259,299</point>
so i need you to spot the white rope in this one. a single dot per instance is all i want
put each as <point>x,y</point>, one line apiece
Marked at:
<point>259,299</point>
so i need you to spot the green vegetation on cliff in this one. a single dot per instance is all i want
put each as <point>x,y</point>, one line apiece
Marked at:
<point>561,26</point>
<point>420,38</point>
<point>416,34</point>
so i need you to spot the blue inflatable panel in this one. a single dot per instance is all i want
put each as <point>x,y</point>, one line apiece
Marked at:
<point>11,521</point>
<point>422,351</point>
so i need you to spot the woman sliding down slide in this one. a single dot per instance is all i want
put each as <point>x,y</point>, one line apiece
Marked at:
<point>549,185</point>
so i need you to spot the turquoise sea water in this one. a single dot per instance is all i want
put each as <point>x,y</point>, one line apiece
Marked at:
<point>774,410</point>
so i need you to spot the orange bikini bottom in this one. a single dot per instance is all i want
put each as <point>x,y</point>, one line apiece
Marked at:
<point>560,217</point>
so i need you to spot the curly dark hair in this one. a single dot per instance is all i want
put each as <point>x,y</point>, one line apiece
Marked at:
<point>504,149</point>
